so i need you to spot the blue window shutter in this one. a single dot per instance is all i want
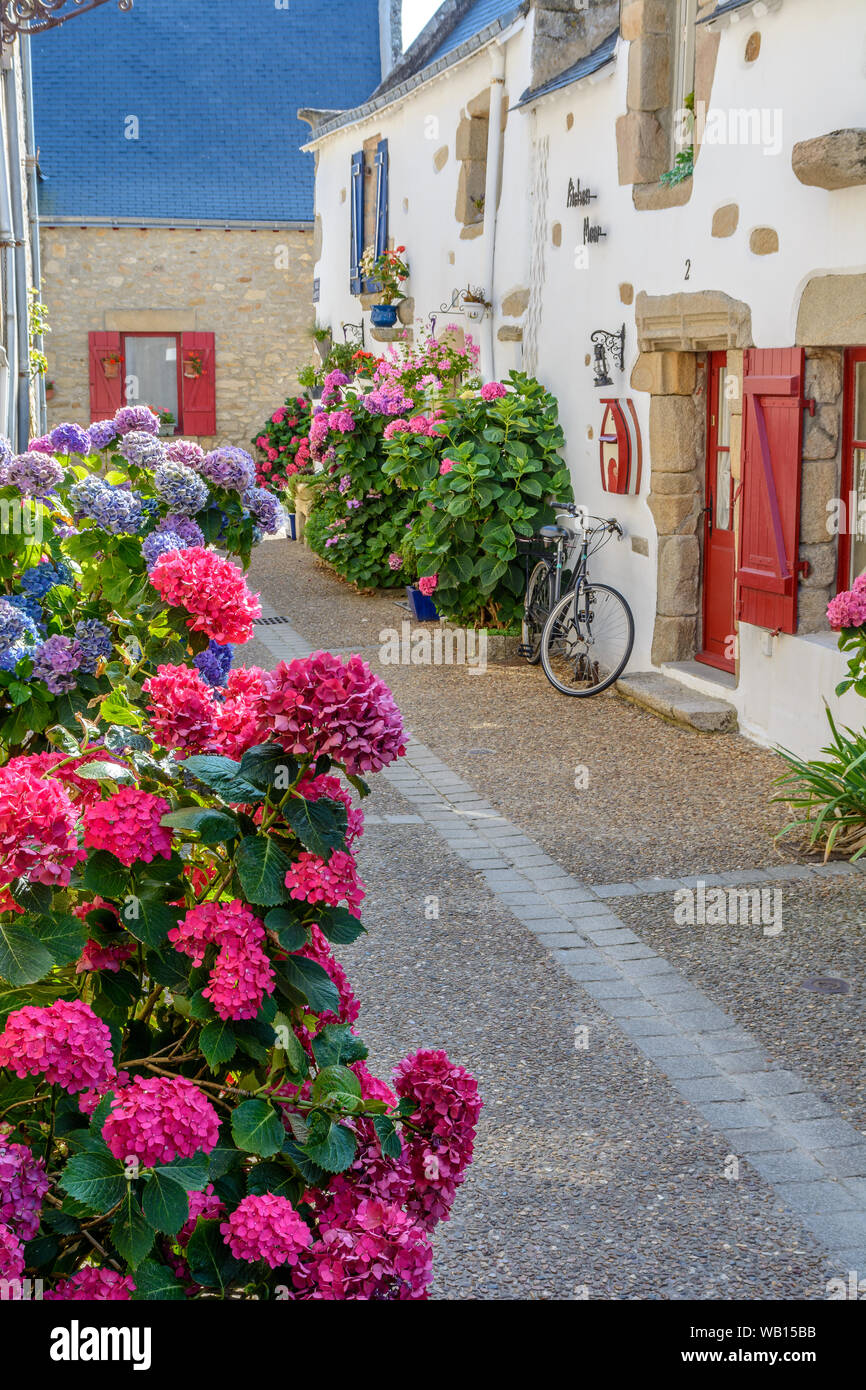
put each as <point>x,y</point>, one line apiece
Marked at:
<point>382,197</point>
<point>357,245</point>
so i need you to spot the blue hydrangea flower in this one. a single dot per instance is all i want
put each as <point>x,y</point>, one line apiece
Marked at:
<point>214,663</point>
<point>181,489</point>
<point>159,543</point>
<point>267,509</point>
<point>40,578</point>
<point>141,449</point>
<point>5,459</point>
<point>70,439</point>
<point>230,468</point>
<point>114,509</point>
<point>182,526</point>
<point>29,605</point>
<point>15,627</point>
<point>94,639</point>
<point>102,433</point>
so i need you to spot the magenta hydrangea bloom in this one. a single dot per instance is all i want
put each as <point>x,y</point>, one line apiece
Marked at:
<point>92,1285</point>
<point>377,1252</point>
<point>185,451</point>
<point>321,704</point>
<point>447,1106</point>
<point>156,1119</point>
<point>331,787</point>
<point>95,956</point>
<point>427,584</point>
<point>37,825</point>
<point>65,1042</point>
<point>182,708</point>
<point>242,974</point>
<point>128,826</point>
<point>492,391</point>
<point>11,1254</point>
<point>206,1205</point>
<point>848,609</point>
<point>331,881</point>
<point>23,1184</point>
<point>211,589</point>
<point>268,1228</point>
<point>319,950</point>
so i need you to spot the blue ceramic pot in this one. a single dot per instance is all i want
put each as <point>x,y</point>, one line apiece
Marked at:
<point>383,315</point>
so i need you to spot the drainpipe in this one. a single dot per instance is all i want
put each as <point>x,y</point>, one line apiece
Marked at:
<point>22,388</point>
<point>7,273</point>
<point>33,213</point>
<point>491,197</point>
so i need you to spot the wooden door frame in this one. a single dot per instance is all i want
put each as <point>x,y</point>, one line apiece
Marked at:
<point>715,358</point>
<point>853,355</point>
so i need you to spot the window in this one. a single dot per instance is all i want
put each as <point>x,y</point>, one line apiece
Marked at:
<point>173,373</point>
<point>369,209</point>
<point>852,539</point>
<point>684,77</point>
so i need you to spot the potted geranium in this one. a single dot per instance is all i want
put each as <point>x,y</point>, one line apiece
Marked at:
<point>388,271</point>
<point>193,364</point>
<point>111,364</point>
<point>167,421</point>
<point>49,390</point>
<point>474,305</point>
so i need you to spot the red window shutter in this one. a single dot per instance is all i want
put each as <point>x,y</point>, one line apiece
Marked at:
<point>770,497</point>
<point>199,392</point>
<point>106,393</point>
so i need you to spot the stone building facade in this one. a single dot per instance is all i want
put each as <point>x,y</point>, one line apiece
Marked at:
<point>252,289</point>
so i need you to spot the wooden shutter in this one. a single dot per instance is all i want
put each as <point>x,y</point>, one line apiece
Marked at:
<point>770,498</point>
<point>198,412</point>
<point>106,393</point>
<point>381,162</point>
<point>357,243</point>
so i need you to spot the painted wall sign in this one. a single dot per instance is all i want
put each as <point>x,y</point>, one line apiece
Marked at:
<point>591,232</point>
<point>619,448</point>
<point>316,288</point>
<point>578,197</point>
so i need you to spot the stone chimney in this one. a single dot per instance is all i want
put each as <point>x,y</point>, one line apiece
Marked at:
<point>567,30</point>
<point>390,33</point>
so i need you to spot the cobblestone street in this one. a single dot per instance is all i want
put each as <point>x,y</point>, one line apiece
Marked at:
<point>669,1113</point>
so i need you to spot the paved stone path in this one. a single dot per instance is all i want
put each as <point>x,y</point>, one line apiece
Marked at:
<point>814,1160</point>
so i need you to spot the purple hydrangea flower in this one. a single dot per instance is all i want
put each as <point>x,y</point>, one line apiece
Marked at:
<point>34,474</point>
<point>181,489</point>
<point>5,459</point>
<point>113,509</point>
<point>183,526</point>
<point>159,543</point>
<point>141,449</point>
<point>230,468</point>
<point>37,580</point>
<point>55,662</point>
<point>42,445</point>
<point>267,509</point>
<point>136,417</point>
<point>214,663</point>
<point>387,400</point>
<point>185,451</point>
<point>102,433</point>
<point>70,439</point>
<point>94,639</point>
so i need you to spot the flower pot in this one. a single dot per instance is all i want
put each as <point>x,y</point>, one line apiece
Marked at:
<point>110,369</point>
<point>474,312</point>
<point>167,429</point>
<point>291,526</point>
<point>383,315</point>
<point>422,608</point>
<point>191,370</point>
<point>49,393</point>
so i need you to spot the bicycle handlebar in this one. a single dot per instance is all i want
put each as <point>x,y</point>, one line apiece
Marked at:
<point>574,509</point>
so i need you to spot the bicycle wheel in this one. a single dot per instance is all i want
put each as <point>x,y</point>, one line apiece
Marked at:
<point>536,607</point>
<point>587,640</point>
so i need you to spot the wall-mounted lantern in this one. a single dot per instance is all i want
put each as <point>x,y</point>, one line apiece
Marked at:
<point>604,343</point>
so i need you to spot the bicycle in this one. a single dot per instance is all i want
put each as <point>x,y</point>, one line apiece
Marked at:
<point>544,582</point>
<point>588,632</point>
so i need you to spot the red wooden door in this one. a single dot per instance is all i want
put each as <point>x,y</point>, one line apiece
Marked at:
<point>719,556</point>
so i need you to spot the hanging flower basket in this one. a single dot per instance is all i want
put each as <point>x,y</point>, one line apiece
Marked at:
<point>111,367</point>
<point>193,365</point>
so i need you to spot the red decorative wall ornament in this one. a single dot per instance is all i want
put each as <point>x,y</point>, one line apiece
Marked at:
<point>619,447</point>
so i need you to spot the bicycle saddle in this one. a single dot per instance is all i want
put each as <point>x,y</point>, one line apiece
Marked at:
<point>553,533</point>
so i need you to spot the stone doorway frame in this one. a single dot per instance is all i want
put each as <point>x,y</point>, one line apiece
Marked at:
<point>673,330</point>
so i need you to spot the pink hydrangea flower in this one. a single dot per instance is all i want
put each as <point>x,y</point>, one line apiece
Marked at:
<point>268,1228</point>
<point>279,415</point>
<point>98,957</point>
<point>128,826</point>
<point>395,561</point>
<point>492,391</point>
<point>182,708</point>
<point>316,880</point>
<point>343,421</point>
<point>92,1285</point>
<point>238,717</point>
<point>320,951</point>
<point>11,1254</point>
<point>378,1252</point>
<point>242,974</point>
<point>331,787</point>
<point>156,1119</point>
<point>427,583</point>
<point>323,705</point>
<point>23,1184</point>
<point>83,791</point>
<point>211,589</point>
<point>399,426</point>
<point>848,609</point>
<point>447,1106</point>
<point>206,1205</point>
<point>65,1042</point>
<point>446,465</point>
<point>37,826</point>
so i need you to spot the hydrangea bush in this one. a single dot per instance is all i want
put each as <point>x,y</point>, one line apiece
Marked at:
<point>90,591</point>
<point>185,1106</point>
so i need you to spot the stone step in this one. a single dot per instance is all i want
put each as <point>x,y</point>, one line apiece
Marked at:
<point>677,703</point>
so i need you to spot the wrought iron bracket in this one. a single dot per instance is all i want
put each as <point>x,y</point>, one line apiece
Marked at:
<point>35,16</point>
<point>457,304</point>
<point>613,343</point>
<point>357,330</point>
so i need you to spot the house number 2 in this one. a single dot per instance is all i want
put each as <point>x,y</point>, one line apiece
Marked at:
<point>688,269</point>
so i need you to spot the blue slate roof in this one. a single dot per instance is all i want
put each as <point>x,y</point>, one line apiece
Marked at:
<point>582,68</point>
<point>216,88</point>
<point>476,18</point>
